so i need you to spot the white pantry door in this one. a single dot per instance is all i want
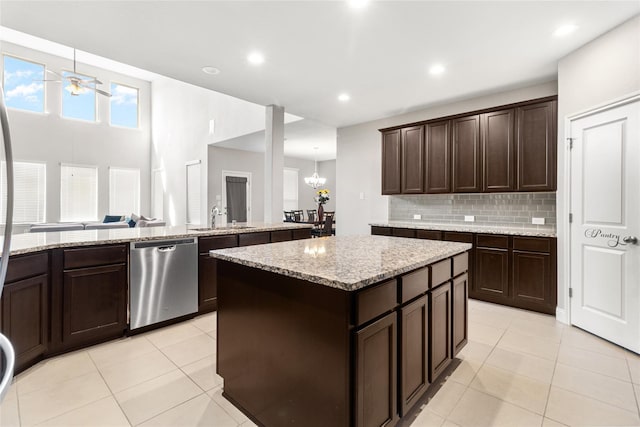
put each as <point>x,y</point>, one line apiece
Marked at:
<point>605,203</point>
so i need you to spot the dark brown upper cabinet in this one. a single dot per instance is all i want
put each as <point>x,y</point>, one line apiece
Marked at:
<point>467,161</point>
<point>412,160</point>
<point>391,162</point>
<point>536,147</point>
<point>438,157</point>
<point>498,151</point>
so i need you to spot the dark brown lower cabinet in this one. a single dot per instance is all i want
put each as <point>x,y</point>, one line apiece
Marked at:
<point>280,236</point>
<point>533,281</point>
<point>459,313</point>
<point>439,330</point>
<point>207,270</point>
<point>381,231</point>
<point>491,274</point>
<point>414,356</point>
<point>376,369</point>
<point>94,304</point>
<point>404,232</point>
<point>25,318</point>
<point>257,238</point>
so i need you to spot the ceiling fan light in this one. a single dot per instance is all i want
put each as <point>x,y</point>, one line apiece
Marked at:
<point>75,90</point>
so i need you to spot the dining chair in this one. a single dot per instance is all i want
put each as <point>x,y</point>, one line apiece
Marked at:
<point>327,227</point>
<point>312,215</point>
<point>298,215</point>
<point>288,216</point>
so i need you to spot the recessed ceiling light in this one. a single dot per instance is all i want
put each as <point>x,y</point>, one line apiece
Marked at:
<point>255,58</point>
<point>436,69</point>
<point>344,97</point>
<point>210,70</point>
<point>358,4</point>
<point>565,30</point>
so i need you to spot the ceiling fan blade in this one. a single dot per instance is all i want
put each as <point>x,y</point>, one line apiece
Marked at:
<point>100,91</point>
<point>91,80</point>
<point>49,80</point>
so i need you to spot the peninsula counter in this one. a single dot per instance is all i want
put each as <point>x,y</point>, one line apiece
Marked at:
<point>338,331</point>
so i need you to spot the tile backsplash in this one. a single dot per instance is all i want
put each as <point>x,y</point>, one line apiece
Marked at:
<point>503,209</point>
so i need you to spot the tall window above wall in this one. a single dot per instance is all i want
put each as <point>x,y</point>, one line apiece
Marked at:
<point>124,106</point>
<point>290,189</point>
<point>23,88</point>
<point>80,104</point>
<point>78,193</point>
<point>124,191</point>
<point>29,192</point>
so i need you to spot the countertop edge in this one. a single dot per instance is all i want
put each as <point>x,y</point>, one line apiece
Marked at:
<point>468,229</point>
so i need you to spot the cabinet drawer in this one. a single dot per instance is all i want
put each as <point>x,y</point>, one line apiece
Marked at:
<point>374,301</point>
<point>27,266</point>
<point>299,234</point>
<point>94,256</point>
<point>460,264</point>
<point>492,241</point>
<point>381,231</point>
<point>533,244</point>
<point>454,236</point>
<point>429,234</point>
<point>206,244</point>
<point>414,284</point>
<point>249,239</point>
<point>280,236</point>
<point>403,232</point>
<point>440,272</point>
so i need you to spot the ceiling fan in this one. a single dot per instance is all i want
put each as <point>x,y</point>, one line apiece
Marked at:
<point>77,85</point>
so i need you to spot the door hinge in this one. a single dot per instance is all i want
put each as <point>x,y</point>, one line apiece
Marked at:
<point>570,218</point>
<point>570,292</point>
<point>570,140</point>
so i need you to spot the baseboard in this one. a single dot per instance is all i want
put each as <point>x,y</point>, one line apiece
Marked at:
<point>562,316</point>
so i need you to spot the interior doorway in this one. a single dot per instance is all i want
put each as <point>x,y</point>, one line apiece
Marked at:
<point>605,225</point>
<point>236,196</point>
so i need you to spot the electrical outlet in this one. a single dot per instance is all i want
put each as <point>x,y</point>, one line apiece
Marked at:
<point>417,216</point>
<point>469,218</point>
<point>537,221</point>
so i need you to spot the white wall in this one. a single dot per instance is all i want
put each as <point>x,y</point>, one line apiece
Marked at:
<point>359,156</point>
<point>52,139</point>
<point>327,169</point>
<point>603,70</point>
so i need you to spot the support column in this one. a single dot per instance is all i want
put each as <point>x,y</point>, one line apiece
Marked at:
<point>273,163</point>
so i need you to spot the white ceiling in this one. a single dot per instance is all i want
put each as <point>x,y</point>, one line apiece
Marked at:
<point>300,139</point>
<point>315,50</point>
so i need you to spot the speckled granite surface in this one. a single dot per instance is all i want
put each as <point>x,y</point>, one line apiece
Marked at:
<point>33,242</point>
<point>344,262</point>
<point>468,228</point>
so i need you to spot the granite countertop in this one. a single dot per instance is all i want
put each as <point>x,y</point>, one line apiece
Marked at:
<point>488,229</point>
<point>33,242</point>
<point>344,262</point>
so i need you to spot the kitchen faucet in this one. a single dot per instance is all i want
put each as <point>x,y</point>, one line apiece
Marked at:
<point>214,211</point>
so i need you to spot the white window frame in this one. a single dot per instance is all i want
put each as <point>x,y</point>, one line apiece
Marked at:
<point>95,217</point>
<point>44,86</point>
<point>137,105</point>
<point>63,84</point>
<point>297,189</point>
<point>44,192</point>
<point>113,196</point>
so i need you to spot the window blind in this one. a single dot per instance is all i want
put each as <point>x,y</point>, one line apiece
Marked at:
<point>78,193</point>
<point>290,189</point>
<point>193,193</point>
<point>29,192</point>
<point>124,191</point>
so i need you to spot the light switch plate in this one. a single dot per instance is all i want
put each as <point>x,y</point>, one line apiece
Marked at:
<point>469,218</point>
<point>537,221</point>
<point>362,195</point>
<point>417,216</point>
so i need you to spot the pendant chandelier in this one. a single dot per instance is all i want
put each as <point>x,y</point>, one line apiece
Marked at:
<point>315,181</point>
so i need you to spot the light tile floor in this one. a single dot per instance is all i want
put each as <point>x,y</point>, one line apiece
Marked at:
<point>518,369</point>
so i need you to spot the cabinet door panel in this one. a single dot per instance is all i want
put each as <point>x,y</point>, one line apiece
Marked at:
<point>533,281</point>
<point>414,355</point>
<point>467,161</point>
<point>459,309</point>
<point>439,330</point>
<point>498,151</point>
<point>492,273</point>
<point>536,147</point>
<point>376,368</point>
<point>25,318</point>
<point>413,160</point>
<point>207,284</point>
<point>391,162</point>
<point>94,304</point>
<point>438,157</point>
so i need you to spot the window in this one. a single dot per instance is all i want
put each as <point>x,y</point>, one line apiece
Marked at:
<point>29,192</point>
<point>78,104</point>
<point>78,193</point>
<point>124,191</point>
<point>124,106</point>
<point>290,190</point>
<point>22,88</point>
<point>193,193</point>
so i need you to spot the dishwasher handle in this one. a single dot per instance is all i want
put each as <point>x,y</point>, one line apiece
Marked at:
<point>164,249</point>
<point>173,243</point>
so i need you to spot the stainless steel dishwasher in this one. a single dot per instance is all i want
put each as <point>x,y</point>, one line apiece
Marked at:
<point>163,280</point>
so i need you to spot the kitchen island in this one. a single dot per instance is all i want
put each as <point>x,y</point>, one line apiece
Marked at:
<point>338,331</point>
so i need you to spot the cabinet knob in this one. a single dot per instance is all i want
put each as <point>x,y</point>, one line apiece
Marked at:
<point>631,239</point>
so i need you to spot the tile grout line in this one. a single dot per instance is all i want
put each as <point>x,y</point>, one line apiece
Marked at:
<point>110,390</point>
<point>633,387</point>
